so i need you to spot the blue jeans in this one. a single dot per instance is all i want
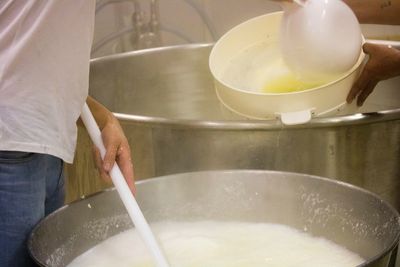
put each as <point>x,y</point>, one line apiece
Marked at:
<point>31,186</point>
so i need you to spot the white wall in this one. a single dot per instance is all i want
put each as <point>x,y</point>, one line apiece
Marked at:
<point>178,19</point>
<point>181,23</point>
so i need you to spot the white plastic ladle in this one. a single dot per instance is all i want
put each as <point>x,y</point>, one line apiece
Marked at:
<point>320,39</point>
<point>124,192</point>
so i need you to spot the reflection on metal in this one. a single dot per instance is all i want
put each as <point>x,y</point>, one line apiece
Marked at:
<point>167,105</point>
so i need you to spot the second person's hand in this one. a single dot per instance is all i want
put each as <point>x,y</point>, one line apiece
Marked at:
<point>383,63</point>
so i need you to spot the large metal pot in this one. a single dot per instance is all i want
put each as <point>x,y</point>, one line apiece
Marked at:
<point>347,215</point>
<point>166,101</point>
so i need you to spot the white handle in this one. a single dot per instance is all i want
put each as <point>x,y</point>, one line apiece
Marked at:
<point>124,192</point>
<point>296,117</point>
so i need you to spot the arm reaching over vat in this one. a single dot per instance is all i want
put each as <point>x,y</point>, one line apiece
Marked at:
<point>376,11</point>
<point>370,12</point>
<point>117,146</point>
<point>384,61</point>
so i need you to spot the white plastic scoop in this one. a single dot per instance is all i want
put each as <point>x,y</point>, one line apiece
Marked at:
<point>320,40</point>
<point>124,192</point>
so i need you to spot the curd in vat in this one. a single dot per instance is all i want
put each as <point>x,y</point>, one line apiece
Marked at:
<point>221,244</point>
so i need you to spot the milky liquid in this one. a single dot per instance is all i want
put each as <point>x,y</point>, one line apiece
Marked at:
<point>220,244</point>
<point>261,68</point>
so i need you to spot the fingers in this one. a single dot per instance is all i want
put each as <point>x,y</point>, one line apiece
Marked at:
<point>367,81</point>
<point>369,88</point>
<point>99,164</point>
<point>125,163</point>
<point>354,91</point>
<point>117,150</point>
<point>362,88</point>
<point>123,158</point>
<point>111,154</point>
<point>383,63</point>
<point>358,86</point>
<point>369,48</point>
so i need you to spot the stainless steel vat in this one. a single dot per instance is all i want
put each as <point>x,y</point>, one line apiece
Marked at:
<point>347,215</point>
<point>166,102</point>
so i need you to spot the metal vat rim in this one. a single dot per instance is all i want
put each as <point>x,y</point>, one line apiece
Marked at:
<point>318,122</point>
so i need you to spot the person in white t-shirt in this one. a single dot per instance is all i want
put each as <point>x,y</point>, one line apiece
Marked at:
<point>44,72</point>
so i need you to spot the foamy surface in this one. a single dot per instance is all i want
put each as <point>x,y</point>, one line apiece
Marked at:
<point>220,244</point>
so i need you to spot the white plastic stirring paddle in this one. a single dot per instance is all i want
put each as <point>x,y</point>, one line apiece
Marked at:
<point>124,192</point>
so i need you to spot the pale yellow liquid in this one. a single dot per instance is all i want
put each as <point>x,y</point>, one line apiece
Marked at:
<point>261,69</point>
<point>221,244</point>
<point>287,83</point>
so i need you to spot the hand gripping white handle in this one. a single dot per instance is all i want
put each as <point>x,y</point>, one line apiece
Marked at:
<point>124,192</point>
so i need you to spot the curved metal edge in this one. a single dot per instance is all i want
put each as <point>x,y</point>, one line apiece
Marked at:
<point>385,252</point>
<point>245,123</point>
<point>274,124</point>
<point>149,51</point>
<point>53,214</point>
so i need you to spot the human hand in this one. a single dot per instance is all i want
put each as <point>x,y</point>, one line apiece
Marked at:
<point>383,63</point>
<point>117,150</point>
<point>115,143</point>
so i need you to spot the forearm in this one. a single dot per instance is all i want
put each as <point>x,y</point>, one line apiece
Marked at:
<point>115,142</point>
<point>383,63</point>
<point>376,11</point>
<point>100,113</point>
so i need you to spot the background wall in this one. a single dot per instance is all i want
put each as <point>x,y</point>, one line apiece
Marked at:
<point>182,22</point>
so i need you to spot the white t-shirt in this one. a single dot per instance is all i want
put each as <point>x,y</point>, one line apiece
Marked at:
<point>44,73</point>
